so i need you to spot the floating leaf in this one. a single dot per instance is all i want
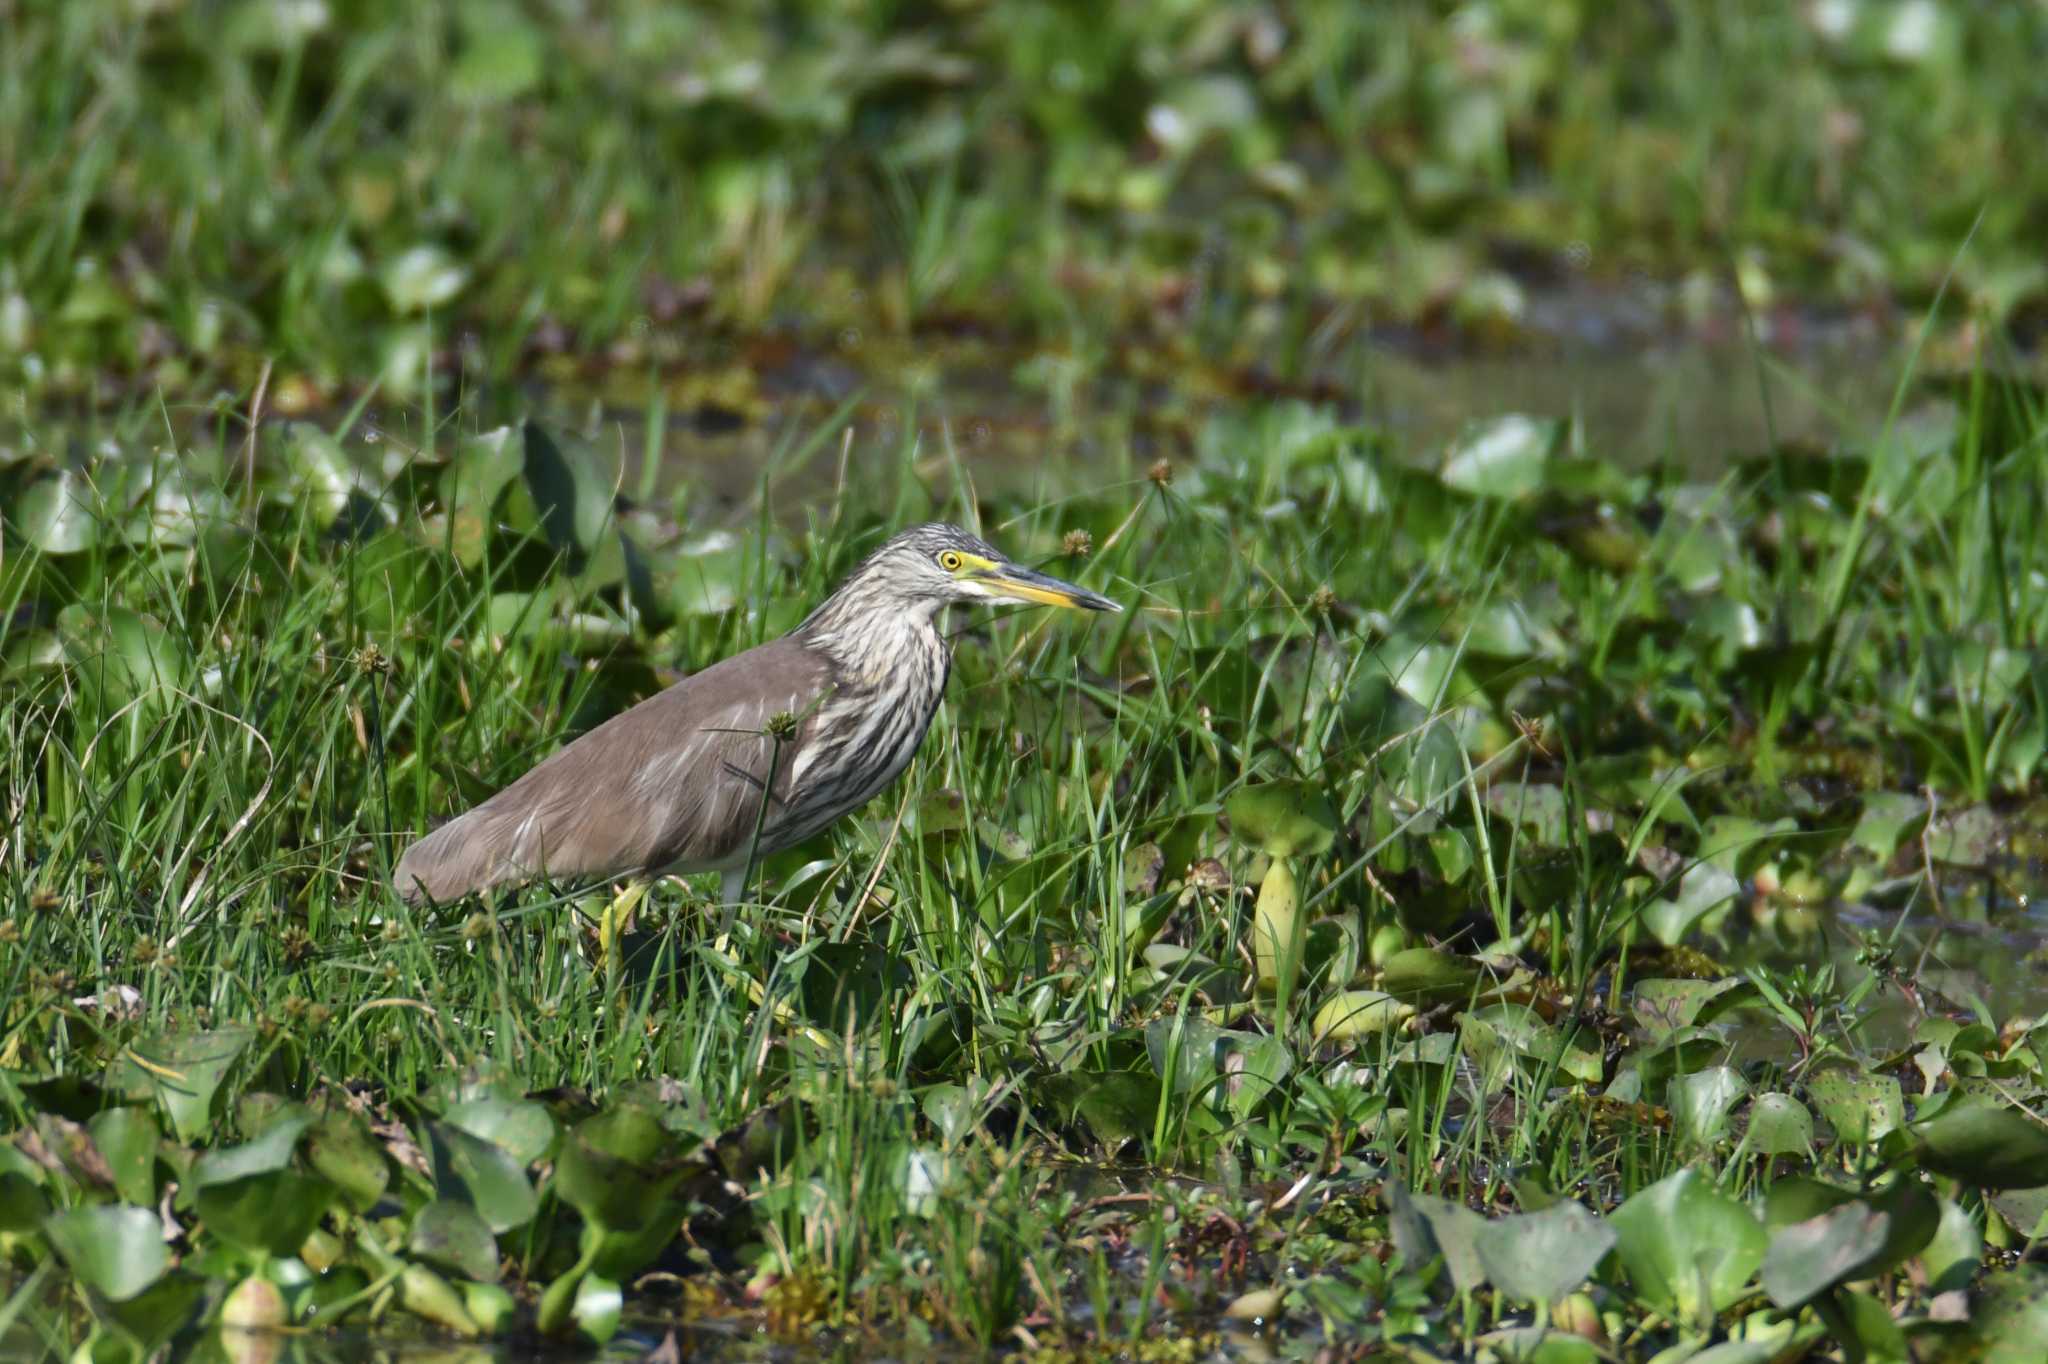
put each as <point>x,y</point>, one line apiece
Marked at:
<point>340,1148</point>
<point>1700,1102</point>
<point>1539,1257</point>
<point>522,1127</point>
<point>127,1139</point>
<point>1688,1247</point>
<point>453,1237</point>
<point>1985,1142</point>
<point>1504,457</point>
<point>1282,818</point>
<point>117,1251</point>
<point>1861,1107</point>
<point>422,278</point>
<point>60,514</point>
<point>183,1073</point>
<point>480,1174</point>
<point>1779,1125</point>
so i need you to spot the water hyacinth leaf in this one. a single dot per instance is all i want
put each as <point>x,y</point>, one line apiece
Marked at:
<point>1664,1005</point>
<point>1187,1050</point>
<point>953,1110</point>
<point>1282,818</point>
<point>2008,1319</point>
<point>481,1174</point>
<point>1810,1257</point>
<point>421,278</point>
<point>610,1169</point>
<point>1779,1125</point>
<point>1521,1030</point>
<point>267,1154</point>
<point>1704,888</point>
<point>1425,1226</point>
<point>1253,1070</point>
<point>1688,1247</point>
<point>1952,1257</point>
<point>183,1073</point>
<point>1889,818</point>
<point>596,1311</point>
<point>571,500</point>
<point>60,514</point>
<point>503,55</point>
<point>23,1205</point>
<point>1504,457</point>
<point>1965,838</point>
<point>453,1237</point>
<point>115,1250</point>
<point>1358,1013</point>
<point>1700,1102</point>
<point>2024,1210</point>
<point>1822,1235</point>
<point>342,1151</point>
<point>525,1129</point>
<point>1985,1142</point>
<point>1539,1257</point>
<point>1860,1106</point>
<point>272,1213</point>
<point>126,1139</point>
<point>1430,975</point>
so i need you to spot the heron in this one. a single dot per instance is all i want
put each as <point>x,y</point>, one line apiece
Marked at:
<point>753,754</point>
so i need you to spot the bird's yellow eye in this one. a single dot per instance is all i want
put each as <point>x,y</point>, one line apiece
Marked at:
<point>950,560</point>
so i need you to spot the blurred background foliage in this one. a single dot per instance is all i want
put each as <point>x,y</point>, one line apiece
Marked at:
<point>192,188</point>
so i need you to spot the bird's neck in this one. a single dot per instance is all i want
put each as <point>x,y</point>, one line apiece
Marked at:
<point>867,645</point>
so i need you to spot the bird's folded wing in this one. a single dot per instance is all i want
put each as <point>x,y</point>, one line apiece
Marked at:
<point>677,781</point>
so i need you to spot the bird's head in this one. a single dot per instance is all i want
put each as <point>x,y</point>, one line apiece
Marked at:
<point>935,565</point>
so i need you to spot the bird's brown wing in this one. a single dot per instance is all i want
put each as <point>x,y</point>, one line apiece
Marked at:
<point>675,781</point>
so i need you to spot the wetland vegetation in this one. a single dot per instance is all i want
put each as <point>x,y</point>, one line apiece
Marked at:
<point>1550,885</point>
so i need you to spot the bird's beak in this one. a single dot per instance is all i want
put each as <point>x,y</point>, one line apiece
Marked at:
<point>1024,584</point>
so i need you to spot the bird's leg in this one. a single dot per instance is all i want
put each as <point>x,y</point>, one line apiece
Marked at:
<point>732,887</point>
<point>618,916</point>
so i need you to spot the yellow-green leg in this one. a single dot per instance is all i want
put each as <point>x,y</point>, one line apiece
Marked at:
<point>618,917</point>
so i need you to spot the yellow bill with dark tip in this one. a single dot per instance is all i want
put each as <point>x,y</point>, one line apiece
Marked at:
<point>1027,584</point>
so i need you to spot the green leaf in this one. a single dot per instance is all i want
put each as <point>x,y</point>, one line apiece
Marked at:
<point>1889,818</point>
<point>1502,457</point>
<point>422,277</point>
<point>2008,1319</point>
<point>23,1205</point>
<point>1358,1013</point>
<point>1539,1257</point>
<point>453,1237</point>
<point>183,1073</point>
<point>117,1251</point>
<point>268,1153</point>
<point>126,1139</point>
<point>1688,1248</point>
<point>1276,928</point>
<point>1952,1258</point>
<point>1983,1142</point>
<point>522,1127</point>
<point>1810,1257</point>
<point>1700,1102</point>
<point>1861,1107</point>
<point>1779,1125</point>
<point>1282,818</point>
<point>481,1174</point>
<point>1425,1226</point>
<point>60,514</point>
<point>599,1302</point>
<point>342,1151</point>
<point>611,1168</point>
<point>1430,975</point>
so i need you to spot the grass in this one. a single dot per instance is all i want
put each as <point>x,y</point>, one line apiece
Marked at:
<point>199,190</point>
<point>1364,855</point>
<point>1504,902</point>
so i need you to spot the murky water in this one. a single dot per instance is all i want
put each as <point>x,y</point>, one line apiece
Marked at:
<point>1641,389</point>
